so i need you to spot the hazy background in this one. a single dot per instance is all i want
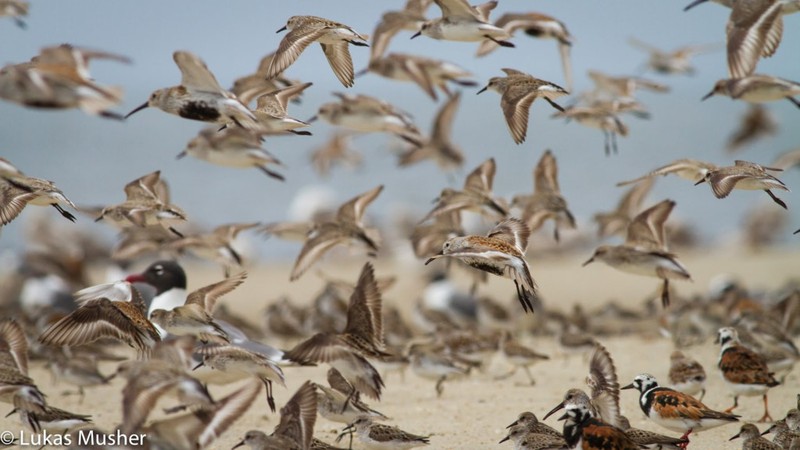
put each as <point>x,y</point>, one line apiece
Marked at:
<point>91,158</point>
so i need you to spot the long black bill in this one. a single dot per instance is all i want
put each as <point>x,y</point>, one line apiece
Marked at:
<point>282,29</point>
<point>707,96</point>
<point>416,34</point>
<point>137,109</point>
<point>553,411</point>
<point>482,90</point>
<point>693,4</point>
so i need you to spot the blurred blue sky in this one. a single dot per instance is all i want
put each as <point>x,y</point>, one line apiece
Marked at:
<point>91,158</point>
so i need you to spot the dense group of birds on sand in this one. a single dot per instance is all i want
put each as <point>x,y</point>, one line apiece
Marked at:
<point>185,342</point>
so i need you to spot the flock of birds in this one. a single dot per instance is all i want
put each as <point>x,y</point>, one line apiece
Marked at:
<point>183,342</point>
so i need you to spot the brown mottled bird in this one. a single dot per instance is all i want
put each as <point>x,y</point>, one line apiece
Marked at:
<point>361,338</point>
<point>125,321</point>
<point>744,371</point>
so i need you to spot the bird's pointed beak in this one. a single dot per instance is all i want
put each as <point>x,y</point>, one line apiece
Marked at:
<point>312,119</point>
<point>361,72</point>
<point>512,424</point>
<point>707,96</point>
<point>198,366</point>
<point>767,431</point>
<point>135,278</point>
<point>693,4</point>
<point>735,436</point>
<point>701,181</point>
<point>181,155</point>
<point>239,444</point>
<point>137,109</point>
<point>588,261</point>
<point>436,256</point>
<point>630,386</point>
<point>503,440</point>
<point>416,34</point>
<point>282,29</point>
<point>482,90</point>
<point>552,411</point>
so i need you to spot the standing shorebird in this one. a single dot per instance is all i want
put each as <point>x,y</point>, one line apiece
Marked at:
<point>645,249</point>
<point>687,375</point>
<point>757,89</point>
<point>379,436</point>
<point>463,22</point>
<point>519,90</point>
<point>602,380</point>
<point>199,96</point>
<point>753,440</point>
<point>18,190</point>
<point>540,26</point>
<point>745,371</point>
<point>582,430</point>
<point>546,203</point>
<point>334,38</point>
<point>675,410</point>
<point>744,175</point>
<point>501,252</point>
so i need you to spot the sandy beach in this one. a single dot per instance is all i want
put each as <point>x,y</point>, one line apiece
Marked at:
<point>473,412</point>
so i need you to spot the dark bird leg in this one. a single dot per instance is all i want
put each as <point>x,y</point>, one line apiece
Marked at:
<point>272,174</point>
<point>270,398</point>
<point>735,404</point>
<point>665,294</point>
<point>554,104</point>
<point>530,377</point>
<point>776,199</point>
<point>614,143</point>
<point>177,233</point>
<point>64,213</point>
<point>111,115</point>
<point>440,386</point>
<point>300,133</point>
<point>499,42</point>
<point>607,142</point>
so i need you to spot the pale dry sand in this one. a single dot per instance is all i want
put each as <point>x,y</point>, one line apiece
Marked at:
<point>473,412</point>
